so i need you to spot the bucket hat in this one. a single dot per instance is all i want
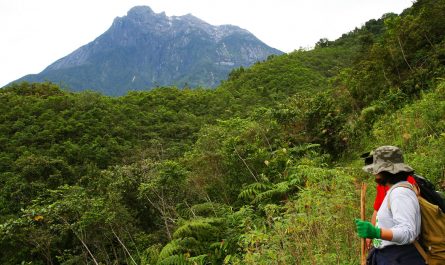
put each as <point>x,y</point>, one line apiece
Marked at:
<point>387,158</point>
<point>367,158</point>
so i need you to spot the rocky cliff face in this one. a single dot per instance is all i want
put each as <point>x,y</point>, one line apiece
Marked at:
<point>144,49</point>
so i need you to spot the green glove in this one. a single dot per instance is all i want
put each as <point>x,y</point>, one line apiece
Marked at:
<point>366,229</point>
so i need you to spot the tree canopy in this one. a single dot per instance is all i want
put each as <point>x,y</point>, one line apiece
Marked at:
<point>262,169</point>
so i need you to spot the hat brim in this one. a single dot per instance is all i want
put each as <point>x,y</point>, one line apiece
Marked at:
<point>368,168</point>
<point>390,167</point>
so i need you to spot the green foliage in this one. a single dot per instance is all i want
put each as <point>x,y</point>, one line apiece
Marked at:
<point>314,228</point>
<point>208,209</point>
<point>407,58</point>
<point>227,155</point>
<point>419,130</point>
<point>194,242</point>
<point>252,190</point>
<point>262,170</point>
<point>69,213</point>
<point>268,83</point>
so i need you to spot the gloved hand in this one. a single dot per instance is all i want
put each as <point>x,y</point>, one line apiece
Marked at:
<point>366,229</point>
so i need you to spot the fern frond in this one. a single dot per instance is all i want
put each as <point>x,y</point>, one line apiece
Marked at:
<point>210,209</point>
<point>174,260</point>
<point>282,187</point>
<point>202,229</point>
<point>190,244</point>
<point>265,196</point>
<point>198,260</point>
<point>247,193</point>
<point>260,186</point>
<point>250,191</point>
<point>171,248</point>
<point>151,254</point>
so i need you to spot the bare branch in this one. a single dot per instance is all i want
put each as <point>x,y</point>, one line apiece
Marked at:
<point>403,53</point>
<point>125,248</point>
<point>253,175</point>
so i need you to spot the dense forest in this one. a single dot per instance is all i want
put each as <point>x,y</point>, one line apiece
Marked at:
<point>264,169</point>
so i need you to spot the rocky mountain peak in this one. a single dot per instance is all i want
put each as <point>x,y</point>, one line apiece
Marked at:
<point>145,49</point>
<point>144,14</point>
<point>138,11</point>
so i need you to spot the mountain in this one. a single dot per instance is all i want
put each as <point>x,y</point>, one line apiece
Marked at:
<point>145,49</point>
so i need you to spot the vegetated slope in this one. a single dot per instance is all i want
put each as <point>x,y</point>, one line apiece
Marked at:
<point>238,175</point>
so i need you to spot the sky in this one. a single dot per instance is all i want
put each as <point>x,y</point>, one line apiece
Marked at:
<point>35,33</point>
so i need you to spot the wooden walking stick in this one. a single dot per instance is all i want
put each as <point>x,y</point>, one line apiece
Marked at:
<point>362,216</point>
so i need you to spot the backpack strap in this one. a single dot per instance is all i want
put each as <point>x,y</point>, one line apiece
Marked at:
<point>421,251</point>
<point>410,186</point>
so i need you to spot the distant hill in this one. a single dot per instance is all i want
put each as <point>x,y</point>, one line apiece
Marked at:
<point>145,49</point>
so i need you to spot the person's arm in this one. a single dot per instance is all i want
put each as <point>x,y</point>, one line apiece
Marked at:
<point>368,230</point>
<point>406,214</point>
<point>374,217</point>
<point>386,234</point>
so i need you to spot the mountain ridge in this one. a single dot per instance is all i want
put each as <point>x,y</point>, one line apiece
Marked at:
<point>145,49</point>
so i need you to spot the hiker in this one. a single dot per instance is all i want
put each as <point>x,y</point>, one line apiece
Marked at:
<point>397,225</point>
<point>381,191</point>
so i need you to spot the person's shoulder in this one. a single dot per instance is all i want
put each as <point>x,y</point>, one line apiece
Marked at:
<point>404,188</point>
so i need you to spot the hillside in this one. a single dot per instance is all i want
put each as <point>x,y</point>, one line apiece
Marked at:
<point>144,50</point>
<point>263,169</point>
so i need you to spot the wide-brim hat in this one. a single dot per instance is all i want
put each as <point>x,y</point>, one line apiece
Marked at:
<point>387,158</point>
<point>367,158</point>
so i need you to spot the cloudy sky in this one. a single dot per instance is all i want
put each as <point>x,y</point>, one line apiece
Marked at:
<point>35,33</point>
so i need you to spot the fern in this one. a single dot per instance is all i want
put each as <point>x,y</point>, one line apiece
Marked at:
<point>174,260</point>
<point>210,209</point>
<point>171,248</point>
<point>198,260</point>
<point>151,254</point>
<point>252,190</point>
<point>183,260</point>
<point>278,191</point>
<point>264,192</point>
<point>191,245</point>
<point>201,229</point>
<point>194,238</point>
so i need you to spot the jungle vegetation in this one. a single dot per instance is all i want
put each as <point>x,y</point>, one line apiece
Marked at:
<point>264,169</point>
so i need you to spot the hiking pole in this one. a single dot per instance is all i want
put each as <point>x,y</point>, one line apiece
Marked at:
<point>362,216</point>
